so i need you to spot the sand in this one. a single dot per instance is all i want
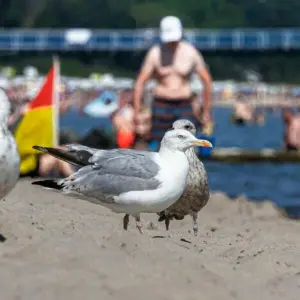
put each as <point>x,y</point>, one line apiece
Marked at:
<point>62,248</point>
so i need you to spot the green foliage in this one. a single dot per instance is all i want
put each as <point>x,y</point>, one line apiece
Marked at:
<point>130,13</point>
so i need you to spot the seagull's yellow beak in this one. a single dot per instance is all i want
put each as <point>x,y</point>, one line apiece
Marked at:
<point>203,143</point>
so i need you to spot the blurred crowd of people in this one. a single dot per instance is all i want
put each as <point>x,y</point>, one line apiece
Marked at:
<point>122,114</point>
<point>110,103</point>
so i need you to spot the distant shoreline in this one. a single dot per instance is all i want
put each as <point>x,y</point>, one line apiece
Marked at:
<point>269,104</point>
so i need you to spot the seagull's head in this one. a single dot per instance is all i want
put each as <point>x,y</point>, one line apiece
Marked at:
<point>181,140</point>
<point>184,124</point>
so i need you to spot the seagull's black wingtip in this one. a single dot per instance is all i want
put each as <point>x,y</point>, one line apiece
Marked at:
<point>40,148</point>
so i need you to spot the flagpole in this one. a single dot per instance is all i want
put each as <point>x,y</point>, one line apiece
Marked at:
<point>56,83</point>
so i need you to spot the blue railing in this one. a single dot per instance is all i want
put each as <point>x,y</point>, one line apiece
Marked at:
<point>141,39</point>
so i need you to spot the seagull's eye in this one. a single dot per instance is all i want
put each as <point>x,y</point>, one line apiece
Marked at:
<point>181,137</point>
<point>187,127</point>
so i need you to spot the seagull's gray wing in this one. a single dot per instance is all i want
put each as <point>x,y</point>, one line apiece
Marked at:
<point>125,162</point>
<point>82,155</point>
<point>77,155</point>
<point>114,172</point>
<point>78,147</point>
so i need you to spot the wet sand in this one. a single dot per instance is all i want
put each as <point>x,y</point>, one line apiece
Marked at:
<point>63,248</point>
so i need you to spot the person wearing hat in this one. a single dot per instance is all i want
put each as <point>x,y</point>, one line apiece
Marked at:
<point>171,63</point>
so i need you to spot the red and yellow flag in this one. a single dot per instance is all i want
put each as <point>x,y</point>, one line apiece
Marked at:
<point>39,125</point>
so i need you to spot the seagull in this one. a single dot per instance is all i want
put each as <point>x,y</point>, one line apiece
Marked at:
<point>128,181</point>
<point>9,156</point>
<point>196,194</point>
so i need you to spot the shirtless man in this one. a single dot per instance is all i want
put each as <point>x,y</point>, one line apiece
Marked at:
<point>172,64</point>
<point>292,130</point>
<point>243,112</point>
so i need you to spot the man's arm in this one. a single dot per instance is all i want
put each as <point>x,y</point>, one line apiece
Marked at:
<point>205,76</point>
<point>144,75</point>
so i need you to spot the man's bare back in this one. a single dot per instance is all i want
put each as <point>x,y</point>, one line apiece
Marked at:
<point>172,68</point>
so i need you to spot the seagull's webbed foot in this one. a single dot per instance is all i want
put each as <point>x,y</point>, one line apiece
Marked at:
<point>125,222</point>
<point>139,224</point>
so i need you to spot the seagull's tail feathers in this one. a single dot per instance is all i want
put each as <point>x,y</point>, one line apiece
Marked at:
<point>163,216</point>
<point>78,158</point>
<point>60,186</point>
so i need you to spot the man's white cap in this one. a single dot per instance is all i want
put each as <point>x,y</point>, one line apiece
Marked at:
<point>170,29</point>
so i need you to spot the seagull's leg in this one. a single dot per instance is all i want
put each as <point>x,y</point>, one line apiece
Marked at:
<point>125,221</point>
<point>167,222</point>
<point>195,226</point>
<point>138,223</point>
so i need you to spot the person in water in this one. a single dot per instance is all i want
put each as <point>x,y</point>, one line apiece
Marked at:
<point>172,63</point>
<point>243,112</point>
<point>292,130</point>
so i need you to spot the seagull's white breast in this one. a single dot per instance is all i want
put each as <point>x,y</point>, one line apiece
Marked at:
<point>173,177</point>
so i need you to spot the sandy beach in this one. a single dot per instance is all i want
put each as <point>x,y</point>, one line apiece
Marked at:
<point>63,248</point>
